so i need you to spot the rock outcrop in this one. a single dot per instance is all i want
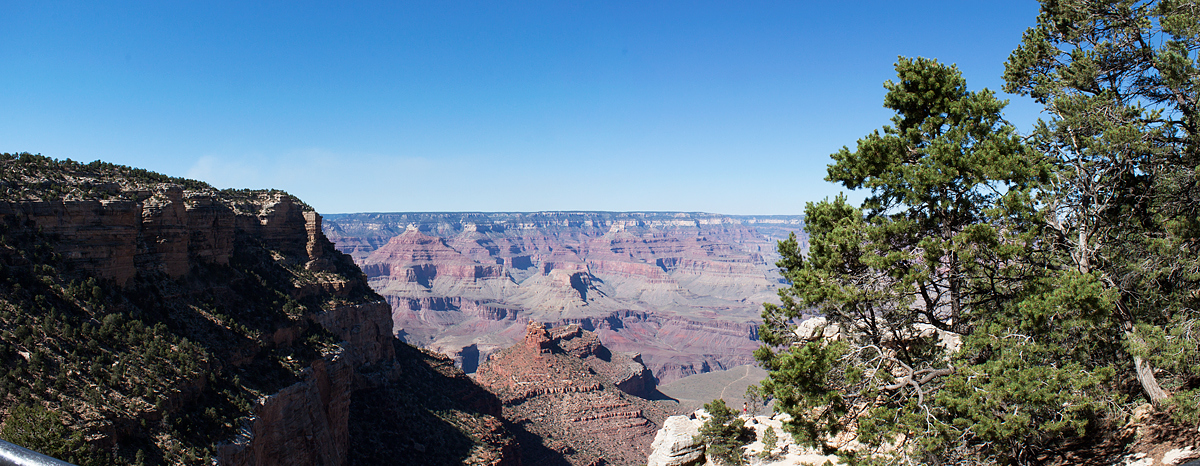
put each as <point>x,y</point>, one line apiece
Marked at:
<point>168,230</point>
<point>625,370</point>
<point>675,444</point>
<point>556,387</point>
<point>172,323</point>
<point>682,289</point>
<point>162,228</point>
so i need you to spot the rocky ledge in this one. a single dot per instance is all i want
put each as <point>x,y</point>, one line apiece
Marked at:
<point>146,319</point>
<point>558,390</point>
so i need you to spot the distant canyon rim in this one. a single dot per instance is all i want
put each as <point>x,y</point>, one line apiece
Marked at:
<point>684,290</point>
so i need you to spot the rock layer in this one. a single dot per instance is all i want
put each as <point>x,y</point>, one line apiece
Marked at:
<point>560,388</point>
<point>166,229</point>
<point>171,231</point>
<point>682,289</point>
<point>202,311</point>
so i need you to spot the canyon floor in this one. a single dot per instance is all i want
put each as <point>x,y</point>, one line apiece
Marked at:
<point>730,385</point>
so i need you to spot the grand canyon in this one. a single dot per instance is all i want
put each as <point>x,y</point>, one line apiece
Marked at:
<point>151,320</point>
<point>683,290</point>
<point>158,320</point>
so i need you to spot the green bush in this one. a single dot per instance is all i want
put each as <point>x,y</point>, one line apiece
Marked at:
<point>724,435</point>
<point>770,441</point>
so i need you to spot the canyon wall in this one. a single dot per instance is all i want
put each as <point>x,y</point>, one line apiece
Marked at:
<point>167,322</point>
<point>162,228</point>
<point>684,290</point>
<point>166,230</point>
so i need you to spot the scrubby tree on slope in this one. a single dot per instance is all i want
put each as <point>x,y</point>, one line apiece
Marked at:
<point>937,254</point>
<point>724,435</point>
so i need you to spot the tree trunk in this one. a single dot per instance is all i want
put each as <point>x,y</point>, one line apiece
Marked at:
<point>1145,373</point>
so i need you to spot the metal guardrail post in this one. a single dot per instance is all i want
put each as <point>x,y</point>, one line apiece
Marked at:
<point>16,455</point>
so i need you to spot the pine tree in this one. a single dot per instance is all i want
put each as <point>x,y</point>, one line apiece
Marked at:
<point>1119,83</point>
<point>723,434</point>
<point>927,260</point>
<point>770,441</point>
<point>36,428</point>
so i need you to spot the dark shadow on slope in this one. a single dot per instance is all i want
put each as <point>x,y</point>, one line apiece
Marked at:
<point>431,414</point>
<point>392,425</point>
<point>534,450</point>
<point>580,285</point>
<point>654,395</point>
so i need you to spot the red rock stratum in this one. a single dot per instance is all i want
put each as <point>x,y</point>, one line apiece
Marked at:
<point>682,289</point>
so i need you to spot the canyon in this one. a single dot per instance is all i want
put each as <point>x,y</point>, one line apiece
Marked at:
<point>151,320</point>
<point>684,290</point>
<point>573,400</point>
<point>146,319</point>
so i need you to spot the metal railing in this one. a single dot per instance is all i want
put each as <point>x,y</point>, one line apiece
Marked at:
<point>16,455</point>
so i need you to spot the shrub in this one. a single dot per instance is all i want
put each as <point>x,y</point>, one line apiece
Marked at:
<point>723,435</point>
<point>770,441</point>
<point>42,430</point>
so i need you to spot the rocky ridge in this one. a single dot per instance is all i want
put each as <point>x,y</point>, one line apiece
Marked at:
<point>149,320</point>
<point>571,398</point>
<point>682,289</point>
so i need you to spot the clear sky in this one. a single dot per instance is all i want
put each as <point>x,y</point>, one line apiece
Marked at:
<point>729,107</point>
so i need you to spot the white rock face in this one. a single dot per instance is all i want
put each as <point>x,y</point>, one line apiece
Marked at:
<point>674,444</point>
<point>1137,459</point>
<point>1178,456</point>
<point>786,452</point>
<point>817,328</point>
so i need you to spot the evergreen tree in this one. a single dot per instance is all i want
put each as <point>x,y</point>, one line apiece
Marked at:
<point>1120,82</point>
<point>770,441</point>
<point>723,434</point>
<point>945,254</point>
<point>36,428</point>
<point>991,299</point>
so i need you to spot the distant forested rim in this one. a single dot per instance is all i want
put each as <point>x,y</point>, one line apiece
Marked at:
<point>1004,297</point>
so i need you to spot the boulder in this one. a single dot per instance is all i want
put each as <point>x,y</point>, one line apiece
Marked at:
<point>675,443</point>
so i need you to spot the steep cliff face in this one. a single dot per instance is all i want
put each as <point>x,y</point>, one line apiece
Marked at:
<point>160,228</point>
<point>570,397</point>
<point>682,289</point>
<point>164,321</point>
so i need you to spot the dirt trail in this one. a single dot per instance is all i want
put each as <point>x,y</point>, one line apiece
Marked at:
<point>744,375</point>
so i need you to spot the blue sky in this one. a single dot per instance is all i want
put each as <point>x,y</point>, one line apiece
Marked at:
<point>729,107</point>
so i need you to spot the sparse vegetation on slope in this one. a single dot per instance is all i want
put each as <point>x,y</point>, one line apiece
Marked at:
<point>159,369</point>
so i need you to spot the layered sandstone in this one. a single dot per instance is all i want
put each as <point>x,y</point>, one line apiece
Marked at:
<point>163,229</point>
<point>282,336</point>
<point>682,289</point>
<point>560,387</point>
